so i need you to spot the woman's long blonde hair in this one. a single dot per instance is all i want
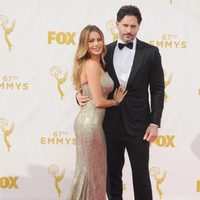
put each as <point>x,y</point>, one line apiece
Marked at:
<point>82,54</point>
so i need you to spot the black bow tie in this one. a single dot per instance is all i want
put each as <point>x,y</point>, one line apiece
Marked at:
<point>122,45</point>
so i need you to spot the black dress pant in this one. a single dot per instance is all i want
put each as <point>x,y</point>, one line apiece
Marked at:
<point>138,153</point>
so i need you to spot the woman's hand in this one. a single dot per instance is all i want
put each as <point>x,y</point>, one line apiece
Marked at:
<point>119,94</point>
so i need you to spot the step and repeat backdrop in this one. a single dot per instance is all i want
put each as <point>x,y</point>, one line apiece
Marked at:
<point>38,40</point>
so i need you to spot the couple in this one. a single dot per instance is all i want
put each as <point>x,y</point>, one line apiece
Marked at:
<point>130,70</point>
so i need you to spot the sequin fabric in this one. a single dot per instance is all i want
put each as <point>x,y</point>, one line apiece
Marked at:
<point>89,181</point>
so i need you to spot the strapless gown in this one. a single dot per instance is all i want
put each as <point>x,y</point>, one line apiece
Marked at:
<point>89,181</point>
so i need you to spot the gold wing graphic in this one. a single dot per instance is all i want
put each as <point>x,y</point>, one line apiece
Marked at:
<point>167,82</point>
<point>10,130</point>
<point>59,178</point>
<point>62,80</point>
<point>59,83</point>
<point>9,30</point>
<point>160,180</point>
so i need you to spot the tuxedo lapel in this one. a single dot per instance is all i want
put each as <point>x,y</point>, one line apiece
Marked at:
<point>139,55</point>
<point>109,64</point>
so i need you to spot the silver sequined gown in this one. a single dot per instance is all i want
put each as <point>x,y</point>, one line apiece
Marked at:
<point>89,181</point>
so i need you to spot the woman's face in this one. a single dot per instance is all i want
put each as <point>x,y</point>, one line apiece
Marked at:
<point>95,44</point>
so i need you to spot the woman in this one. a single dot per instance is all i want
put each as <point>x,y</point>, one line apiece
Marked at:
<point>90,174</point>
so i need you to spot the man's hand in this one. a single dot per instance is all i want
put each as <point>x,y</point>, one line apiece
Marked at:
<point>82,100</point>
<point>151,133</point>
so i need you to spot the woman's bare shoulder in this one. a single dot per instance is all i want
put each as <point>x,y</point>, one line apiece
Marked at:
<point>92,65</point>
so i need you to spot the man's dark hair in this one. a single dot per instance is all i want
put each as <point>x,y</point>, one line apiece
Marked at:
<point>130,11</point>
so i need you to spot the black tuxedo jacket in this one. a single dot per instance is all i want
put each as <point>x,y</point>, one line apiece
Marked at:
<point>143,103</point>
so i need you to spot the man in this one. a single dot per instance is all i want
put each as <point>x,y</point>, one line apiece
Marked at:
<point>134,123</point>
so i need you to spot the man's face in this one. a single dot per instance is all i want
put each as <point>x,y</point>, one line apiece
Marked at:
<point>128,28</point>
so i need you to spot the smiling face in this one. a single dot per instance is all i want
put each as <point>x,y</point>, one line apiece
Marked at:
<point>128,28</point>
<point>95,44</point>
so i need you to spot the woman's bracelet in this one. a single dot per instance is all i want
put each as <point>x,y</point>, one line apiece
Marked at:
<point>115,102</point>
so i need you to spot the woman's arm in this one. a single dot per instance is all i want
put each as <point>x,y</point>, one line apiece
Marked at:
<point>93,75</point>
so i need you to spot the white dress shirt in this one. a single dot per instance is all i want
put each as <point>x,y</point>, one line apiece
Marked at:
<point>123,61</point>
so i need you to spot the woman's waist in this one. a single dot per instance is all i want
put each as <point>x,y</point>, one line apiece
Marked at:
<point>91,112</point>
